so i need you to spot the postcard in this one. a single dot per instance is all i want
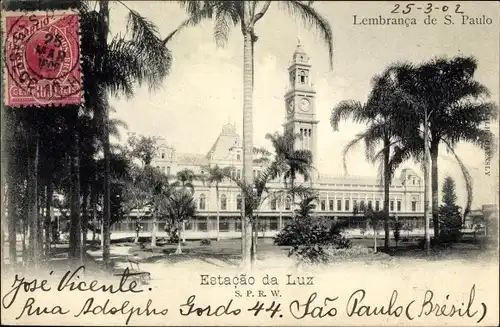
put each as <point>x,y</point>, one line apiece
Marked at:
<point>250,163</point>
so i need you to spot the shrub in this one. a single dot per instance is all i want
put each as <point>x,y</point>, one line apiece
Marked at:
<point>309,237</point>
<point>206,241</point>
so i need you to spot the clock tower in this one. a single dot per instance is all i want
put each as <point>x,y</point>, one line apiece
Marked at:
<point>300,103</point>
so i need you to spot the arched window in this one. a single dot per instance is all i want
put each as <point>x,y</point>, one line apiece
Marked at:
<point>288,204</point>
<point>302,77</point>
<point>163,155</point>
<point>202,201</point>
<point>273,204</point>
<point>238,202</point>
<point>238,174</point>
<point>223,202</point>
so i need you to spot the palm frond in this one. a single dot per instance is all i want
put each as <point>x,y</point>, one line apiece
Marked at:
<point>347,109</point>
<point>150,49</point>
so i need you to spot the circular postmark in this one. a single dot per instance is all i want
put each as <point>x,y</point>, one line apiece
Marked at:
<point>42,57</point>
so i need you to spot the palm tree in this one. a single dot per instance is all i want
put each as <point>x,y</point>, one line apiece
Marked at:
<point>247,14</point>
<point>216,175</point>
<point>124,63</point>
<point>450,107</point>
<point>289,162</point>
<point>383,114</point>
<point>180,206</point>
<point>186,177</point>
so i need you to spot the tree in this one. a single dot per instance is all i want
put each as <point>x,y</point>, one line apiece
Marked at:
<point>124,63</point>
<point>216,175</point>
<point>247,14</point>
<point>384,115</point>
<point>450,107</point>
<point>289,162</point>
<point>449,213</point>
<point>186,177</point>
<point>396,230</point>
<point>180,207</point>
<point>142,147</point>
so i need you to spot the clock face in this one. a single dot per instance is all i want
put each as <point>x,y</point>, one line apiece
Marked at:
<point>290,106</point>
<point>305,105</point>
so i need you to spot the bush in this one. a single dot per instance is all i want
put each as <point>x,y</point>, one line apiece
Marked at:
<point>309,237</point>
<point>206,241</point>
<point>450,229</point>
<point>312,231</point>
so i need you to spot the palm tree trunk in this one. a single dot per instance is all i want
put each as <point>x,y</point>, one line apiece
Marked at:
<point>387,181</point>
<point>218,213</point>
<point>153,231</point>
<point>48,215</point>
<point>247,125</point>
<point>106,215</point>
<point>179,242</point>
<point>75,231</point>
<point>85,218</point>
<point>374,238</point>
<point>93,205</point>
<point>434,191</point>
<point>32,195</point>
<point>12,213</point>
<point>426,187</point>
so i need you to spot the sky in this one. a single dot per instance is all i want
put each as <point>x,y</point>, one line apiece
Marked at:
<point>204,88</point>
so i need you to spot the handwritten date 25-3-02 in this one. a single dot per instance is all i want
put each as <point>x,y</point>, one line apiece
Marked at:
<point>426,9</point>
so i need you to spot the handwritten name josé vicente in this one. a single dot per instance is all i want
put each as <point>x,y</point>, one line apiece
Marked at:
<point>311,306</point>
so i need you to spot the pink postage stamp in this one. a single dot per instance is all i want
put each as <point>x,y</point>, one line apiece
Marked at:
<point>41,58</point>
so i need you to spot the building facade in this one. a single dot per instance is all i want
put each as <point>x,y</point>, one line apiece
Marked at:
<point>338,195</point>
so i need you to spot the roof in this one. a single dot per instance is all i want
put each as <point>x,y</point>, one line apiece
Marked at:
<point>192,159</point>
<point>353,179</point>
<point>228,140</point>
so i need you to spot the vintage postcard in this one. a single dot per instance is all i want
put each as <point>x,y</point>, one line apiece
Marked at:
<point>250,163</point>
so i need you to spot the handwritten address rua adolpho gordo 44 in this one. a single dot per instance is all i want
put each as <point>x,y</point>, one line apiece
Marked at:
<point>310,305</point>
<point>41,58</point>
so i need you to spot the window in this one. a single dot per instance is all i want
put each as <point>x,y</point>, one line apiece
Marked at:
<point>413,205</point>
<point>370,205</point>
<point>168,170</point>
<point>330,205</point>
<point>346,205</point>
<point>237,225</point>
<point>163,155</point>
<point>339,205</point>
<point>391,206</point>
<point>413,181</point>
<point>238,202</point>
<point>223,202</point>
<point>354,204</point>
<point>238,174</point>
<point>323,205</point>
<point>158,167</point>
<point>201,225</point>
<point>202,201</point>
<point>362,205</point>
<point>273,223</point>
<point>302,77</point>
<point>399,205</point>
<point>288,204</point>
<point>377,205</point>
<point>223,224</point>
<point>238,157</point>
<point>273,204</point>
